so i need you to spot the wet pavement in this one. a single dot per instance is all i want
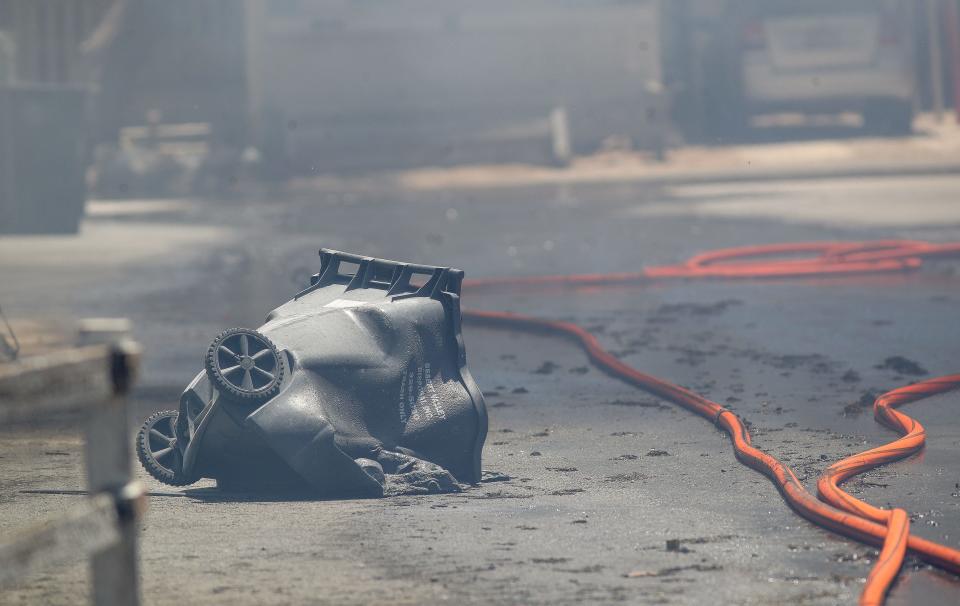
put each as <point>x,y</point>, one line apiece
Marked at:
<point>599,476</point>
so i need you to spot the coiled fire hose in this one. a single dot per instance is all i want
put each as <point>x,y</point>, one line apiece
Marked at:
<point>836,510</point>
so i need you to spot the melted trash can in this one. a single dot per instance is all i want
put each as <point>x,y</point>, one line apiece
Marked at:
<point>356,385</point>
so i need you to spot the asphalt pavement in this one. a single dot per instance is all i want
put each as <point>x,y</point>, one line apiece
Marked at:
<point>599,476</point>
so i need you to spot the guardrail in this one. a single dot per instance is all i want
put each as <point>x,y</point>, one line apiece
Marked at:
<point>93,380</point>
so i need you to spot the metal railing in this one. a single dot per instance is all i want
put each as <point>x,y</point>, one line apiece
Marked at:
<point>93,380</point>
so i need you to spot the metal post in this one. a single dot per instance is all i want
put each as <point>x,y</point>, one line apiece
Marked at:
<point>254,16</point>
<point>952,19</point>
<point>936,57</point>
<point>115,574</point>
<point>560,136</point>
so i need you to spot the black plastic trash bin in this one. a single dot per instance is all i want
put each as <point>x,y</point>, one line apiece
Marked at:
<point>355,387</point>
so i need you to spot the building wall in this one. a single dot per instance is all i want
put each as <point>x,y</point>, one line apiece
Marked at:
<point>183,60</point>
<point>372,78</point>
<point>48,36</point>
<point>336,84</point>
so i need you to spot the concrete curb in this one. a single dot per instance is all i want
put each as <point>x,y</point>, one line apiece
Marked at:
<point>407,182</point>
<point>489,177</point>
<point>802,174</point>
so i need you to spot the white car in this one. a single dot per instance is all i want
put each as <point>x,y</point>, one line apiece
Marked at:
<point>844,55</point>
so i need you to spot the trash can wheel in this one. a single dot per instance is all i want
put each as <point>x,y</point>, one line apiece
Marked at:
<point>157,449</point>
<point>244,364</point>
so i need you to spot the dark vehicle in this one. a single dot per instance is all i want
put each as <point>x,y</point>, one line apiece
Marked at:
<point>829,57</point>
<point>361,374</point>
<point>730,62</point>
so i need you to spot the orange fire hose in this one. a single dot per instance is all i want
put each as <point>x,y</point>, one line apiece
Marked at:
<point>842,513</point>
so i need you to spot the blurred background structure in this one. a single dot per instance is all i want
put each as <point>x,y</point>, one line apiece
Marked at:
<point>317,86</point>
<point>148,98</point>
